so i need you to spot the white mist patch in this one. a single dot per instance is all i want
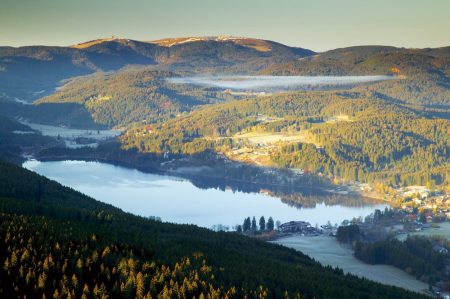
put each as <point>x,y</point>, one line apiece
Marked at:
<point>270,83</point>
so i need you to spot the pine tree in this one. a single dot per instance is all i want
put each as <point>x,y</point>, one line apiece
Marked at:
<point>270,224</point>
<point>247,224</point>
<point>254,228</point>
<point>140,285</point>
<point>262,223</point>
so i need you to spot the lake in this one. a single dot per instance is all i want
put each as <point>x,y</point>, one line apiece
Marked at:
<point>179,201</point>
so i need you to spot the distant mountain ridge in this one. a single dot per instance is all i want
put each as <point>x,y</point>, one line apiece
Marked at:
<point>425,73</point>
<point>366,60</point>
<point>257,44</point>
<point>29,73</point>
<point>27,70</point>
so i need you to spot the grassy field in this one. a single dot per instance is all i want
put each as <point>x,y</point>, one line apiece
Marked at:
<point>328,251</point>
<point>338,118</point>
<point>54,131</point>
<point>442,231</point>
<point>270,138</point>
<point>259,144</point>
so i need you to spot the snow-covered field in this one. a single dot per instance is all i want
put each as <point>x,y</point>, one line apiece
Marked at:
<point>328,251</point>
<point>62,132</point>
<point>70,135</point>
<point>442,231</point>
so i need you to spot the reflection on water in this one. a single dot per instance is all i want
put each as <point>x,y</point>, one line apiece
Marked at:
<point>178,200</point>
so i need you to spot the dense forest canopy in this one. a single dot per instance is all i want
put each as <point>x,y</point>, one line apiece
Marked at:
<point>132,95</point>
<point>415,256</point>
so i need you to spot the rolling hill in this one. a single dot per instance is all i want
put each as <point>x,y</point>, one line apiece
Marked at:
<point>424,73</point>
<point>131,95</point>
<point>98,87</point>
<point>32,71</point>
<point>339,134</point>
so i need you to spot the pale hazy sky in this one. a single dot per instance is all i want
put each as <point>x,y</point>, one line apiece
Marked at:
<point>315,24</point>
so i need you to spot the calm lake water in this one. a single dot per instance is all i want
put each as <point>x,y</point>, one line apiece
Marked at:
<point>178,200</point>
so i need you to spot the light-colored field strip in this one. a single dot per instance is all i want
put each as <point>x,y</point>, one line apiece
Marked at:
<point>328,251</point>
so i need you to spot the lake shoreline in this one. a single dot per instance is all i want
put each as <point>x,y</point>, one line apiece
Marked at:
<point>167,196</point>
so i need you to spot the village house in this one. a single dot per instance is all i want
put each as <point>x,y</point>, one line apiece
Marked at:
<point>411,217</point>
<point>429,217</point>
<point>294,226</point>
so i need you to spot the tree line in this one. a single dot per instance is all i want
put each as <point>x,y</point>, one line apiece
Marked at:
<point>250,225</point>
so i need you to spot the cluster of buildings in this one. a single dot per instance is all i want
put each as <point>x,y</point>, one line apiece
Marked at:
<point>299,227</point>
<point>422,205</point>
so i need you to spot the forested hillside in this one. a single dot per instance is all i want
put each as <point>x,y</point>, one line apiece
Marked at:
<point>132,95</point>
<point>61,114</point>
<point>15,136</point>
<point>424,73</point>
<point>342,134</point>
<point>60,243</point>
<point>31,72</point>
<point>115,94</point>
<point>364,60</point>
<point>415,255</point>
